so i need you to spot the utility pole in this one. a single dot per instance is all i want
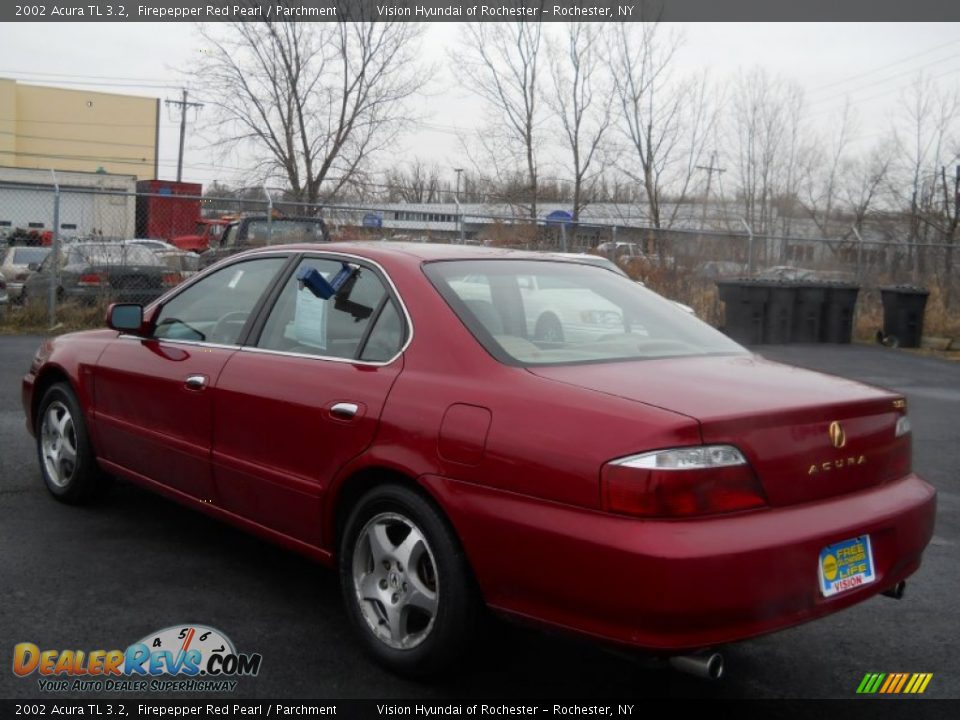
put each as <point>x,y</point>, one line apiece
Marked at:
<point>459,172</point>
<point>711,169</point>
<point>183,126</point>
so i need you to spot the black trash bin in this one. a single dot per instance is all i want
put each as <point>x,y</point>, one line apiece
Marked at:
<point>808,313</point>
<point>745,302</point>
<point>839,305</point>
<point>903,308</point>
<point>779,314</point>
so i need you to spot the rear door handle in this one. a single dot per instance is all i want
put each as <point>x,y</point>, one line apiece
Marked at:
<point>196,382</point>
<point>344,410</point>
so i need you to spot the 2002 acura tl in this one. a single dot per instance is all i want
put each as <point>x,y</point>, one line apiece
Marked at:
<point>652,485</point>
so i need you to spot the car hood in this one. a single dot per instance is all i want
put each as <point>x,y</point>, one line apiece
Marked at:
<point>779,416</point>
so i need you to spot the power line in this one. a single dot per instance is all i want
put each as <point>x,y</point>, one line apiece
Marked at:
<point>183,105</point>
<point>76,140</point>
<point>884,67</point>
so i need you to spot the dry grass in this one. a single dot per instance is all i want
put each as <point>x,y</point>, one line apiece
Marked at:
<point>33,318</point>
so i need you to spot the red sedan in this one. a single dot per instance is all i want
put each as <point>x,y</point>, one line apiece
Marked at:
<point>392,410</point>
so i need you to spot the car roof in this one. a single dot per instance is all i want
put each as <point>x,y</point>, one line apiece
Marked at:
<point>406,251</point>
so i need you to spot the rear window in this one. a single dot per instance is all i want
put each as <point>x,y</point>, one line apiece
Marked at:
<point>530,312</point>
<point>27,255</point>
<point>111,255</point>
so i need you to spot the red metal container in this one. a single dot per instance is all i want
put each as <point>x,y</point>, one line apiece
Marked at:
<point>167,209</point>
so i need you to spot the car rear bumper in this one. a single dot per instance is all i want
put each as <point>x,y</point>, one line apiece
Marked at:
<point>673,586</point>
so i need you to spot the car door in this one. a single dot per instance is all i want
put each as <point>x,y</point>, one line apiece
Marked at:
<point>305,398</point>
<point>154,395</point>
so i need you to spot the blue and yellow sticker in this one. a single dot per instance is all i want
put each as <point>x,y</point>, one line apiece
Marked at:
<point>846,565</point>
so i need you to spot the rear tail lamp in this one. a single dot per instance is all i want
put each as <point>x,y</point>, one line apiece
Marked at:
<point>93,280</point>
<point>171,279</point>
<point>681,482</point>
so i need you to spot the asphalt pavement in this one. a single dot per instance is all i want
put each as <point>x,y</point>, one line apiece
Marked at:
<point>106,575</point>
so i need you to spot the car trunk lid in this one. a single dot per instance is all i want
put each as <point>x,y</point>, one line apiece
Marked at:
<point>807,435</point>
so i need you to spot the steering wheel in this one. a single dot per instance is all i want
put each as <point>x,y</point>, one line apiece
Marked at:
<point>220,332</point>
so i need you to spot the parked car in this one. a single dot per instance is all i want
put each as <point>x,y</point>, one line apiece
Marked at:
<point>89,272</point>
<point>4,296</point>
<point>609,264</point>
<point>260,230</point>
<point>713,269</point>
<point>16,267</point>
<point>662,490</point>
<point>182,262</point>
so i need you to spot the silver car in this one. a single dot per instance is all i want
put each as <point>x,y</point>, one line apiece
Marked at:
<point>16,267</point>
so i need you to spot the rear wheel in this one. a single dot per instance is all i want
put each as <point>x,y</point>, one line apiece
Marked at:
<point>406,583</point>
<point>67,463</point>
<point>548,329</point>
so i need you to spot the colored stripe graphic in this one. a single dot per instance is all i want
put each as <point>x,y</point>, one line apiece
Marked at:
<point>894,683</point>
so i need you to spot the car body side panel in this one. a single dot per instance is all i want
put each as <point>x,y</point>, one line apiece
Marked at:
<point>150,421</point>
<point>276,442</point>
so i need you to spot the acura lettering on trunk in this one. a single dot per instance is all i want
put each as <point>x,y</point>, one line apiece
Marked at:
<point>419,418</point>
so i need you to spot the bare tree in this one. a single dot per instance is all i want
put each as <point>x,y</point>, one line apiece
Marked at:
<point>313,101</point>
<point>667,123</point>
<point>417,183</point>
<point>500,63</point>
<point>581,102</point>
<point>824,178</point>
<point>766,130</point>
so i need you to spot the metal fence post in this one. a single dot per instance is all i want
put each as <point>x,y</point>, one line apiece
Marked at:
<point>749,245</point>
<point>859,252</point>
<point>55,252</point>
<point>269,216</point>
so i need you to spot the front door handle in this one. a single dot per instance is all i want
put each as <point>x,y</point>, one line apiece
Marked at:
<point>196,382</point>
<point>344,410</point>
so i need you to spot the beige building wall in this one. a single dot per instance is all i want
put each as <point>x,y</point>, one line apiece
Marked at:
<point>46,127</point>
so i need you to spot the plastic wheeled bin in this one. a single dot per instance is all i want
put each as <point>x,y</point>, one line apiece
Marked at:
<point>839,305</point>
<point>745,302</point>
<point>808,313</point>
<point>778,317</point>
<point>903,308</point>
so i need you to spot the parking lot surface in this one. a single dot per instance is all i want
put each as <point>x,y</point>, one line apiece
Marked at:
<point>106,575</point>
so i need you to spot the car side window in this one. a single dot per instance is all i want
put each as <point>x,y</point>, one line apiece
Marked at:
<point>216,308</point>
<point>301,322</point>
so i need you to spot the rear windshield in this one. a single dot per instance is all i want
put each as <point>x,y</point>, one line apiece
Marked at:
<point>531,312</point>
<point>111,255</point>
<point>27,255</point>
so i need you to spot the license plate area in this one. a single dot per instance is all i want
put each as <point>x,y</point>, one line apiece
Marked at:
<point>846,565</point>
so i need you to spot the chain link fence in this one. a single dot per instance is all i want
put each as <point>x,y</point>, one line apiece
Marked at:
<point>68,252</point>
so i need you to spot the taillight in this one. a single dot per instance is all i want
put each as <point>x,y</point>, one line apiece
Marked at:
<point>681,482</point>
<point>171,279</point>
<point>93,280</point>
<point>901,451</point>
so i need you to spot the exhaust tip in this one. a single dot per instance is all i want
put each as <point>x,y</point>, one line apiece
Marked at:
<point>897,591</point>
<point>708,666</point>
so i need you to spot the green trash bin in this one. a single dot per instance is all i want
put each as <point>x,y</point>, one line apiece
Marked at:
<point>779,312</point>
<point>838,309</point>
<point>745,302</point>
<point>808,313</point>
<point>903,309</point>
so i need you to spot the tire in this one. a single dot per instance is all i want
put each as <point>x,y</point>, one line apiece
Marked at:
<point>406,583</point>
<point>548,329</point>
<point>67,462</point>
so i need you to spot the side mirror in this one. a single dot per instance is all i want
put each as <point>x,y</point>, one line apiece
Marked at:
<point>33,267</point>
<point>125,317</point>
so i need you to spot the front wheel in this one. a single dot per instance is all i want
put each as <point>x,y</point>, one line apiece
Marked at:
<point>406,583</point>
<point>67,463</point>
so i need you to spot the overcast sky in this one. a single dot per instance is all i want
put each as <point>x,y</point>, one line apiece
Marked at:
<point>871,63</point>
